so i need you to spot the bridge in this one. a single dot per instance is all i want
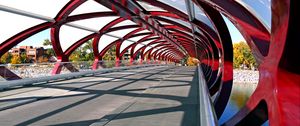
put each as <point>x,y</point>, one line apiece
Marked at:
<point>150,88</point>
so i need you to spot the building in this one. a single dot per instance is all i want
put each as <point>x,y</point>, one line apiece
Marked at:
<point>32,53</point>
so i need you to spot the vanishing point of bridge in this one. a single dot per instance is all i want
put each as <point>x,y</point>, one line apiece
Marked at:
<point>153,90</point>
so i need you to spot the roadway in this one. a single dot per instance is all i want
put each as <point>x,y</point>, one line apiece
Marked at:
<point>152,96</point>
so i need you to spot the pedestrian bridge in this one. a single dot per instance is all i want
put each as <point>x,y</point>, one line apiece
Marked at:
<point>152,96</point>
<point>158,34</point>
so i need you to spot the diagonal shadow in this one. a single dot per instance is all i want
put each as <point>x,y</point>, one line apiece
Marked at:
<point>97,94</point>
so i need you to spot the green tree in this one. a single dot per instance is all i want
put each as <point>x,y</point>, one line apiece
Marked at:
<point>6,58</point>
<point>242,55</point>
<point>23,58</point>
<point>88,50</point>
<point>49,52</point>
<point>83,53</point>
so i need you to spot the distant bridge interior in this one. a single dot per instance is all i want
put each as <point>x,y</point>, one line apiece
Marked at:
<point>150,88</point>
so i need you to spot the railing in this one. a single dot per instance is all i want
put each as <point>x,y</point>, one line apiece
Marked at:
<point>33,70</point>
<point>207,113</point>
<point>41,72</point>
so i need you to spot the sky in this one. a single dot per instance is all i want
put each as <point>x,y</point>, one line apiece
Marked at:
<point>260,7</point>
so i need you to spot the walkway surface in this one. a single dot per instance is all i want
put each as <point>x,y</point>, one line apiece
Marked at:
<point>153,96</point>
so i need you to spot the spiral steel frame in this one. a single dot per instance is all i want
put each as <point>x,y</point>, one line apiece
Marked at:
<point>277,95</point>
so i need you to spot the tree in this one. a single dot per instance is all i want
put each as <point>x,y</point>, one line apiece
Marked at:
<point>16,59</point>
<point>23,58</point>
<point>191,61</point>
<point>242,56</point>
<point>47,42</point>
<point>6,58</point>
<point>42,59</point>
<point>110,55</point>
<point>49,52</point>
<point>88,50</point>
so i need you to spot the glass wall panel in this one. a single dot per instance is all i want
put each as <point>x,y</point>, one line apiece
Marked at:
<point>69,35</point>
<point>105,40</point>
<point>89,7</point>
<point>260,8</point>
<point>12,24</point>
<point>48,8</point>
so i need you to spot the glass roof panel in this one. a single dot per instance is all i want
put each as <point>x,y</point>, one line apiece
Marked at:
<point>147,42</point>
<point>199,15</point>
<point>124,23</point>
<point>177,4</point>
<point>186,24</point>
<point>153,45</point>
<point>125,44</point>
<point>105,40</point>
<point>153,50</point>
<point>89,7</point>
<point>48,8</point>
<point>12,24</point>
<point>121,33</point>
<point>149,7</point>
<point>69,35</point>
<point>164,23</point>
<point>143,31</point>
<point>147,48</point>
<point>138,46</point>
<point>137,38</point>
<point>260,8</point>
<point>95,23</point>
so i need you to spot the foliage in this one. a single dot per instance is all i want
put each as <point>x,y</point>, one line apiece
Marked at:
<point>24,58</point>
<point>110,55</point>
<point>49,52</point>
<point>16,59</point>
<point>6,58</point>
<point>191,61</point>
<point>83,53</point>
<point>42,59</point>
<point>243,56</point>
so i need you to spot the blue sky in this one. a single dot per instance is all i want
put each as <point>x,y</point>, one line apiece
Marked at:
<point>37,39</point>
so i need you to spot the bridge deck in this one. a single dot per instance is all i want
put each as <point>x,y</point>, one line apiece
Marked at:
<point>147,96</point>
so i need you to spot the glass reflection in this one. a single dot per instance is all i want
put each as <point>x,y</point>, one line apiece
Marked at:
<point>149,7</point>
<point>199,15</point>
<point>241,92</point>
<point>260,8</point>
<point>186,24</point>
<point>178,4</point>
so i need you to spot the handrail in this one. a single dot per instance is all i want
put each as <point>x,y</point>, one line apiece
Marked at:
<point>30,81</point>
<point>207,112</point>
